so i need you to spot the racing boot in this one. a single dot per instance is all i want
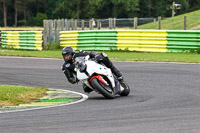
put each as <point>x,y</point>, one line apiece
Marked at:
<point>87,89</point>
<point>117,73</point>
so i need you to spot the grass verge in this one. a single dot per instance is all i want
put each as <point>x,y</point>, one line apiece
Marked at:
<point>176,23</point>
<point>156,57</point>
<point>14,95</point>
<point>115,55</point>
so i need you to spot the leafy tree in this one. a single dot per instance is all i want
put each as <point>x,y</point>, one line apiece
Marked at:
<point>5,4</point>
<point>1,16</point>
<point>38,20</point>
<point>31,12</point>
<point>67,8</point>
<point>24,11</point>
<point>193,5</point>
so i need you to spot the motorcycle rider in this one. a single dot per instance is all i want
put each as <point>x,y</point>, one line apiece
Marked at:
<point>69,56</point>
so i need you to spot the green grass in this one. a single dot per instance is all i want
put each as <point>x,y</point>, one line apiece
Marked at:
<point>115,55</point>
<point>14,95</point>
<point>176,23</point>
<point>23,53</point>
<point>155,57</point>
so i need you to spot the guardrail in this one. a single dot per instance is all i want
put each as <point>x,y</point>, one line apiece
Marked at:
<point>89,40</point>
<point>181,40</point>
<point>0,39</point>
<point>132,40</point>
<point>31,40</point>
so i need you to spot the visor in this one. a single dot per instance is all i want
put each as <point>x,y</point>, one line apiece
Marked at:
<point>67,56</point>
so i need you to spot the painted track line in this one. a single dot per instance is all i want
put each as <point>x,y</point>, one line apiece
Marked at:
<point>84,97</point>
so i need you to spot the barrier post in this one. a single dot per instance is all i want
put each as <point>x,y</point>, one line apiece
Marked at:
<point>135,22</point>
<point>159,23</point>
<point>114,23</point>
<point>55,30</point>
<point>82,24</point>
<point>62,24</point>
<point>68,24</point>
<point>72,24</point>
<point>109,23</point>
<point>185,22</point>
<point>65,24</point>
<point>75,24</point>
<point>58,29</point>
<point>98,24</point>
<point>93,23</point>
<point>50,31</point>
<point>90,24</point>
<point>45,34</point>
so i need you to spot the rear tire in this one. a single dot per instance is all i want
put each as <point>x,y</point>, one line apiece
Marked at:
<point>102,89</point>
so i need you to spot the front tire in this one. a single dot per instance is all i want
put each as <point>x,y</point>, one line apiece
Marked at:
<point>102,89</point>
<point>126,89</point>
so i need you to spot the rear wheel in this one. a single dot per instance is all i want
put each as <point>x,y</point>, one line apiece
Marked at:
<point>105,90</point>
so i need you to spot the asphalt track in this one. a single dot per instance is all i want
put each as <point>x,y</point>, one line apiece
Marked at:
<point>164,98</point>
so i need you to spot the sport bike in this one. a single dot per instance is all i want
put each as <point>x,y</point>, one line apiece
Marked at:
<point>99,78</point>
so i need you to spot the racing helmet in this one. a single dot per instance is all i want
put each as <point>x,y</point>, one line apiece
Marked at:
<point>67,53</point>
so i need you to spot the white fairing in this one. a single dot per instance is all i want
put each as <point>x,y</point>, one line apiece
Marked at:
<point>81,76</point>
<point>94,67</point>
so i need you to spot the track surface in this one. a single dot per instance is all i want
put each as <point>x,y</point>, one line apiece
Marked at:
<point>165,97</point>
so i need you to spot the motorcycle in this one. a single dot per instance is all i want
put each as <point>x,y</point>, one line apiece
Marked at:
<point>99,78</point>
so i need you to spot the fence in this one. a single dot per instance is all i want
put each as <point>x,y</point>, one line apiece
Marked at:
<point>133,40</point>
<point>52,28</point>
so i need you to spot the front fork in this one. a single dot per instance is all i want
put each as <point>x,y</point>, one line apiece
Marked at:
<point>117,89</point>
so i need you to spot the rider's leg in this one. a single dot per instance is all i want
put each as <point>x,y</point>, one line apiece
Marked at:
<point>102,57</point>
<point>114,70</point>
<point>86,88</point>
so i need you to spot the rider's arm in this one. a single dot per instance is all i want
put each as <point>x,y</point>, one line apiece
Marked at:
<point>68,73</point>
<point>84,53</point>
<point>93,54</point>
<point>98,56</point>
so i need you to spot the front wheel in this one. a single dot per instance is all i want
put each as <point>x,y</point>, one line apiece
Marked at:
<point>126,89</point>
<point>106,91</point>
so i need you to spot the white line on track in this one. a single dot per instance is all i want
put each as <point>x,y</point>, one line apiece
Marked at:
<point>84,97</point>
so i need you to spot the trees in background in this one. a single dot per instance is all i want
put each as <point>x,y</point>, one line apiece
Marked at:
<point>4,4</point>
<point>22,12</point>
<point>32,12</point>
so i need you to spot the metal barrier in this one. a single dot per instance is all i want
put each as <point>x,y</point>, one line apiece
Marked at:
<point>142,40</point>
<point>89,40</point>
<point>132,40</point>
<point>183,41</point>
<point>31,40</point>
<point>0,39</point>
